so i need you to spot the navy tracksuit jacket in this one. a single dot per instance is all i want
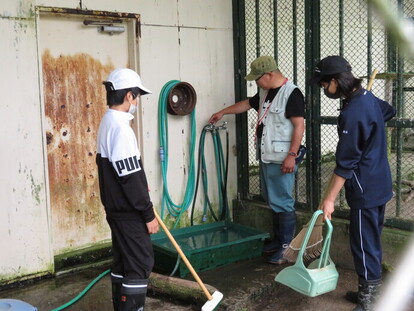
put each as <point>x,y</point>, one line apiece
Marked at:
<point>361,158</point>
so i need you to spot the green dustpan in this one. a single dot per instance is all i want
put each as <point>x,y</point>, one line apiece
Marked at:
<point>320,276</point>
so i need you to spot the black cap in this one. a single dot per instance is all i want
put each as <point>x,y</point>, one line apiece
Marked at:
<point>329,66</point>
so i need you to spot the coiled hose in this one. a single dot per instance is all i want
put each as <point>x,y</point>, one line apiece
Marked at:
<point>175,209</point>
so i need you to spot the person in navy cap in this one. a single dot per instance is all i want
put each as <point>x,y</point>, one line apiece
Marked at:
<point>362,167</point>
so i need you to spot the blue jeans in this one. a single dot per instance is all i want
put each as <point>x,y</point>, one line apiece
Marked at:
<point>277,188</point>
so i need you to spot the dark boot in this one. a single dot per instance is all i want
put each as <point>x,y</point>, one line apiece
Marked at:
<point>287,227</point>
<point>368,292</point>
<point>273,246</point>
<point>133,294</point>
<point>352,297</point>
<point>116,291</point>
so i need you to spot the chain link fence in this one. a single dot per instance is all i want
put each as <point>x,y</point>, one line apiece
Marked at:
<point>348,28</point>
<point>274,28</point>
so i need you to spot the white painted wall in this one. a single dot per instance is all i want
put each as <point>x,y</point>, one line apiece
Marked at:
<point>187,40</point>
<point>24,233</point>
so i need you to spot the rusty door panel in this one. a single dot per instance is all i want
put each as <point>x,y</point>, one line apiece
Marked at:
<point>76,58</point>
<point>74,105</point>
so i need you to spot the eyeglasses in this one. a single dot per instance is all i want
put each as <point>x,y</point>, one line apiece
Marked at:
<point>259,77</point>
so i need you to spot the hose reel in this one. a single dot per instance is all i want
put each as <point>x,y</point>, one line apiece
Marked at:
<point>181,99</point>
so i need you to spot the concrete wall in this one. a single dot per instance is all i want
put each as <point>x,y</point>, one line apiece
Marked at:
<point>187,40</point>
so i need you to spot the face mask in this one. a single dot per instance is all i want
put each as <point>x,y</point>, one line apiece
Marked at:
<point>335,95</point>
<point>132,109</point>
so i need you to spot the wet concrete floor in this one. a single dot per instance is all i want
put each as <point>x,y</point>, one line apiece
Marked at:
<point>247,286</point>
<point>51,294</point>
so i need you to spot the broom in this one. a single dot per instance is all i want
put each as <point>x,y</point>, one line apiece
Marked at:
<point>314,247</point>
<point>214,299</point>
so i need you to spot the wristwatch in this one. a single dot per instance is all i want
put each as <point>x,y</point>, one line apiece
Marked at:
<point>293,154</point>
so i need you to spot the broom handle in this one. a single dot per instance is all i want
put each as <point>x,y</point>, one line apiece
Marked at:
<point>371,79</point>
<point>182,255</point>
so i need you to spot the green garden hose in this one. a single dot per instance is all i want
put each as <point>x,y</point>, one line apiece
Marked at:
<point>174,209</point>
<point>81,294</point>
<point>221,169</point>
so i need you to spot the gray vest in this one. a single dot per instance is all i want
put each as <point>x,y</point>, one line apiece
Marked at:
<point>277,130</point>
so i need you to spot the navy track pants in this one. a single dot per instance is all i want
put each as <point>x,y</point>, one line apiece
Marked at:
<point>365,239</point>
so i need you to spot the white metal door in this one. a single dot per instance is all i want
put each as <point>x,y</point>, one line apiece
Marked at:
<point>76,58</point>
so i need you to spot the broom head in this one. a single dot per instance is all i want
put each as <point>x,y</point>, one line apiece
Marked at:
<point>313,248</point>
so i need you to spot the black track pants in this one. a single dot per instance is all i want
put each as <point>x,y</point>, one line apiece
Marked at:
<point>133,257</point>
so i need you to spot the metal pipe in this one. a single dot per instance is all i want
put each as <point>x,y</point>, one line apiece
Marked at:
<point>369,41</point>
<point>295,42</point>
<point>257,28</point>
<point>341,27</point>
<point>111,29</point>
<point>275,32</point>
<point>400,114</point>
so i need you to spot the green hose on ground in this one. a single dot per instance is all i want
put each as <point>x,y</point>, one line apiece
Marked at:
<point>81,294</point>
<point>175,209</point>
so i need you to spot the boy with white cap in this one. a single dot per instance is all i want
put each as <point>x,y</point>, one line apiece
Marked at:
<point>124,192</point>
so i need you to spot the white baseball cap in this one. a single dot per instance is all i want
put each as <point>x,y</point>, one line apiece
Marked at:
<point>125,78</point>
